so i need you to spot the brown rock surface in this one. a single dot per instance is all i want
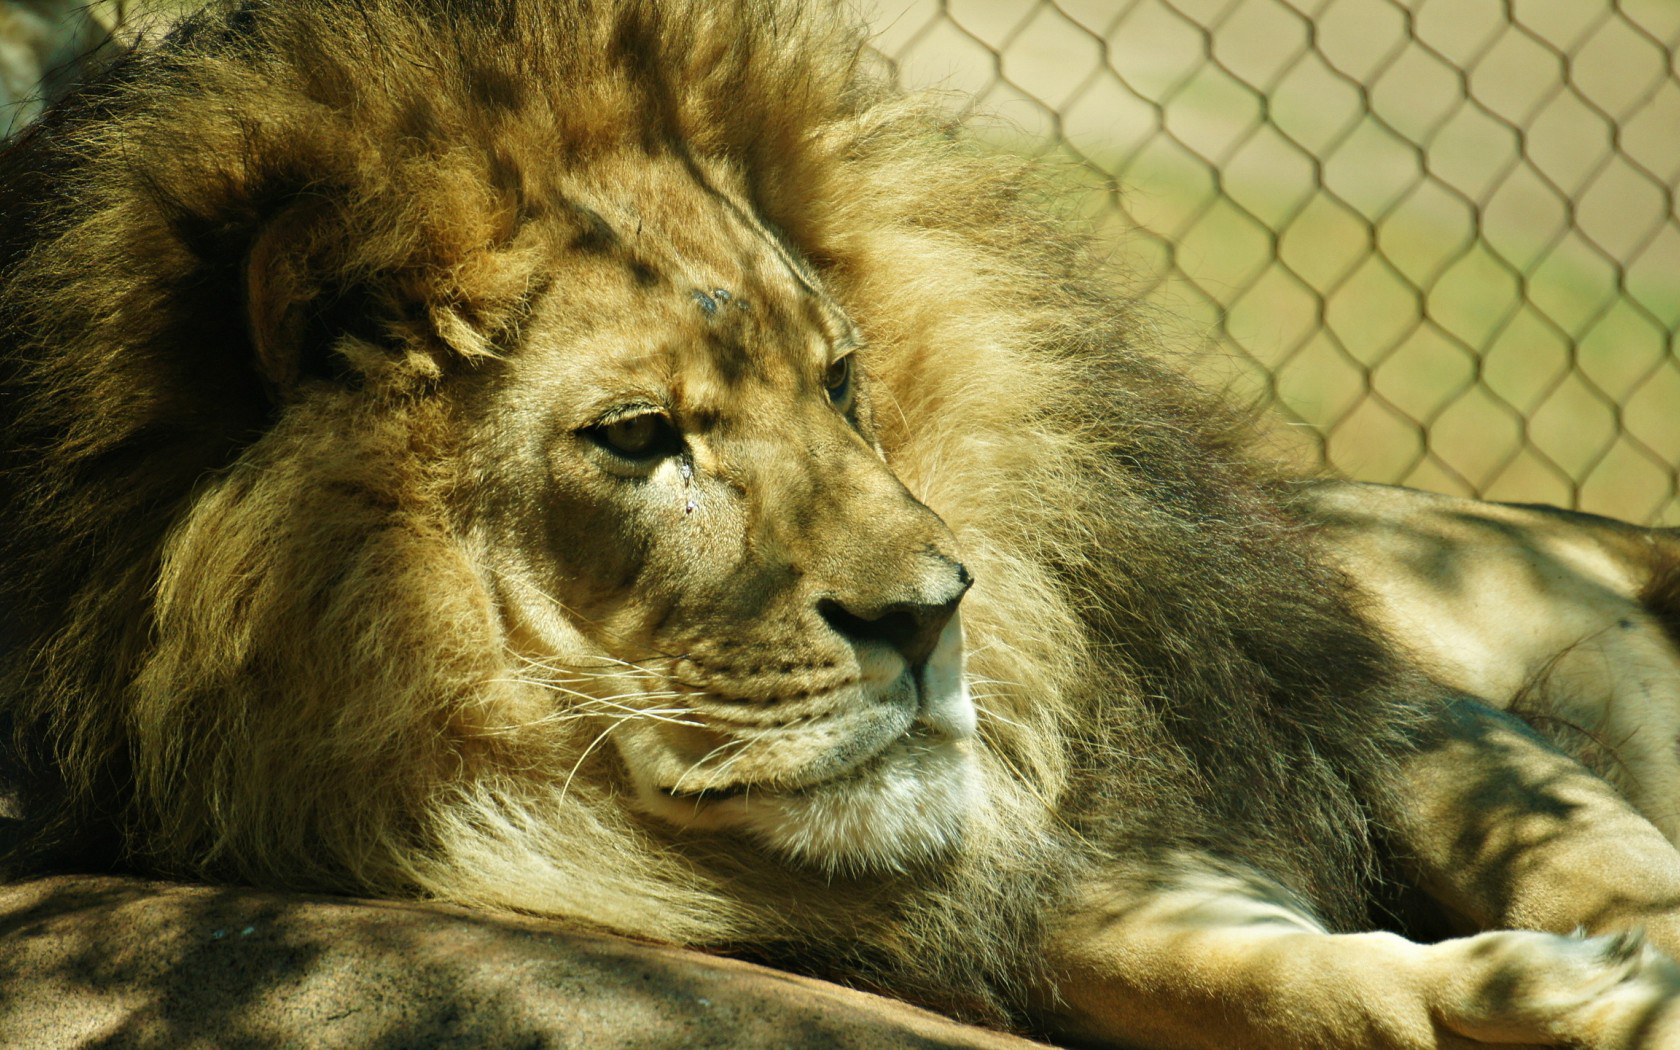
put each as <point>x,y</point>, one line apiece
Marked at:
<point>124,962</point>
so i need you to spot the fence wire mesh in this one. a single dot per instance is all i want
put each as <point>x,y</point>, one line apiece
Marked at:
<point>1439,236</point>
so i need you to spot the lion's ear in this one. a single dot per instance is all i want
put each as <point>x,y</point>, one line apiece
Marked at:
<point>308,319</point>
<point>297,312</point>
<point>277,290</point>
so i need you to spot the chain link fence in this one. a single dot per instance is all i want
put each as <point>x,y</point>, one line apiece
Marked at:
<point>1438,236</point>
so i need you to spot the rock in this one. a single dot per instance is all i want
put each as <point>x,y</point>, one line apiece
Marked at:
<point>126,962</point>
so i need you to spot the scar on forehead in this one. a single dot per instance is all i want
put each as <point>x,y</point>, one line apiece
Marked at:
<point>709,303</point>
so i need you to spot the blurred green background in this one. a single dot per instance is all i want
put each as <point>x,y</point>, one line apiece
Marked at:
<point>1438,237</point>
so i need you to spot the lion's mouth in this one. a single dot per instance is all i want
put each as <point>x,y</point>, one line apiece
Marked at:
<point>920,734</point>
<point>710,794</point>
<point>907,802</point>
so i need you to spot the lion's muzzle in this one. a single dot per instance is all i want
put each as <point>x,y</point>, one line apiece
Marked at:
<point>910,627</point>
<point>893,788</point>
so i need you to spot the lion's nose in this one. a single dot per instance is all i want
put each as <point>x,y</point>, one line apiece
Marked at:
<point>911,627</point>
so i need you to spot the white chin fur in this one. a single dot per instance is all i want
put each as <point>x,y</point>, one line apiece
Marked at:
<point>911,803</point>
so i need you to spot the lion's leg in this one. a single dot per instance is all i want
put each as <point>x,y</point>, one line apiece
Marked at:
<point>1614,699</point>
<point>1505,831</point>
<point>1220,960</point>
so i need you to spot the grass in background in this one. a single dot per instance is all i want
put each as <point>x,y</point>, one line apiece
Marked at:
<point>1443,243</point>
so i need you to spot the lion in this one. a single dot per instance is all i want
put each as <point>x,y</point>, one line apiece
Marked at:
<point>619,461</point>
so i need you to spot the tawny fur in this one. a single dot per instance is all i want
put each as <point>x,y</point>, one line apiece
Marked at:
<point>251,634</point>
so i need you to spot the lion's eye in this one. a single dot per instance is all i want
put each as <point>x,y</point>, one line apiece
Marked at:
<point>643,436</point>
<point>838,380</point>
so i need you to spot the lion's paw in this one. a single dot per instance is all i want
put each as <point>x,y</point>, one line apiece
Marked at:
<point>1604,993</point>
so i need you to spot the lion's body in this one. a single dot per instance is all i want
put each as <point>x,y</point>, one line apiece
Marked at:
<point>520,455</point>
<point>1570,620</point>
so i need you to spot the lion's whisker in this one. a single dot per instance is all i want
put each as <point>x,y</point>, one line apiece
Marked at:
<point>722,767</point>
<point>550,673</point>
<point>992,714</point>
<point>669,716</point>
<point>593,744</point>
<point>590,698</point>
<point>974,679</point>
<point>625,669</point>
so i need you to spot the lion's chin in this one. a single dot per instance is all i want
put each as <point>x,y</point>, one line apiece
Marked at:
<point>909,804</point>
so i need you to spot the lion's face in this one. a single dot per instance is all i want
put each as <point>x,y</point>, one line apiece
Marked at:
<point>692,535</point>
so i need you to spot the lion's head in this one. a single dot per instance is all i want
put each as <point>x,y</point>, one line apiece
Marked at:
<point>666,482</point>
<point>688,527</point>
<point>504,475</point>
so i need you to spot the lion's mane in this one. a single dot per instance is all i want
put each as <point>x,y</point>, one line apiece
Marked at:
<point>244,641</point>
